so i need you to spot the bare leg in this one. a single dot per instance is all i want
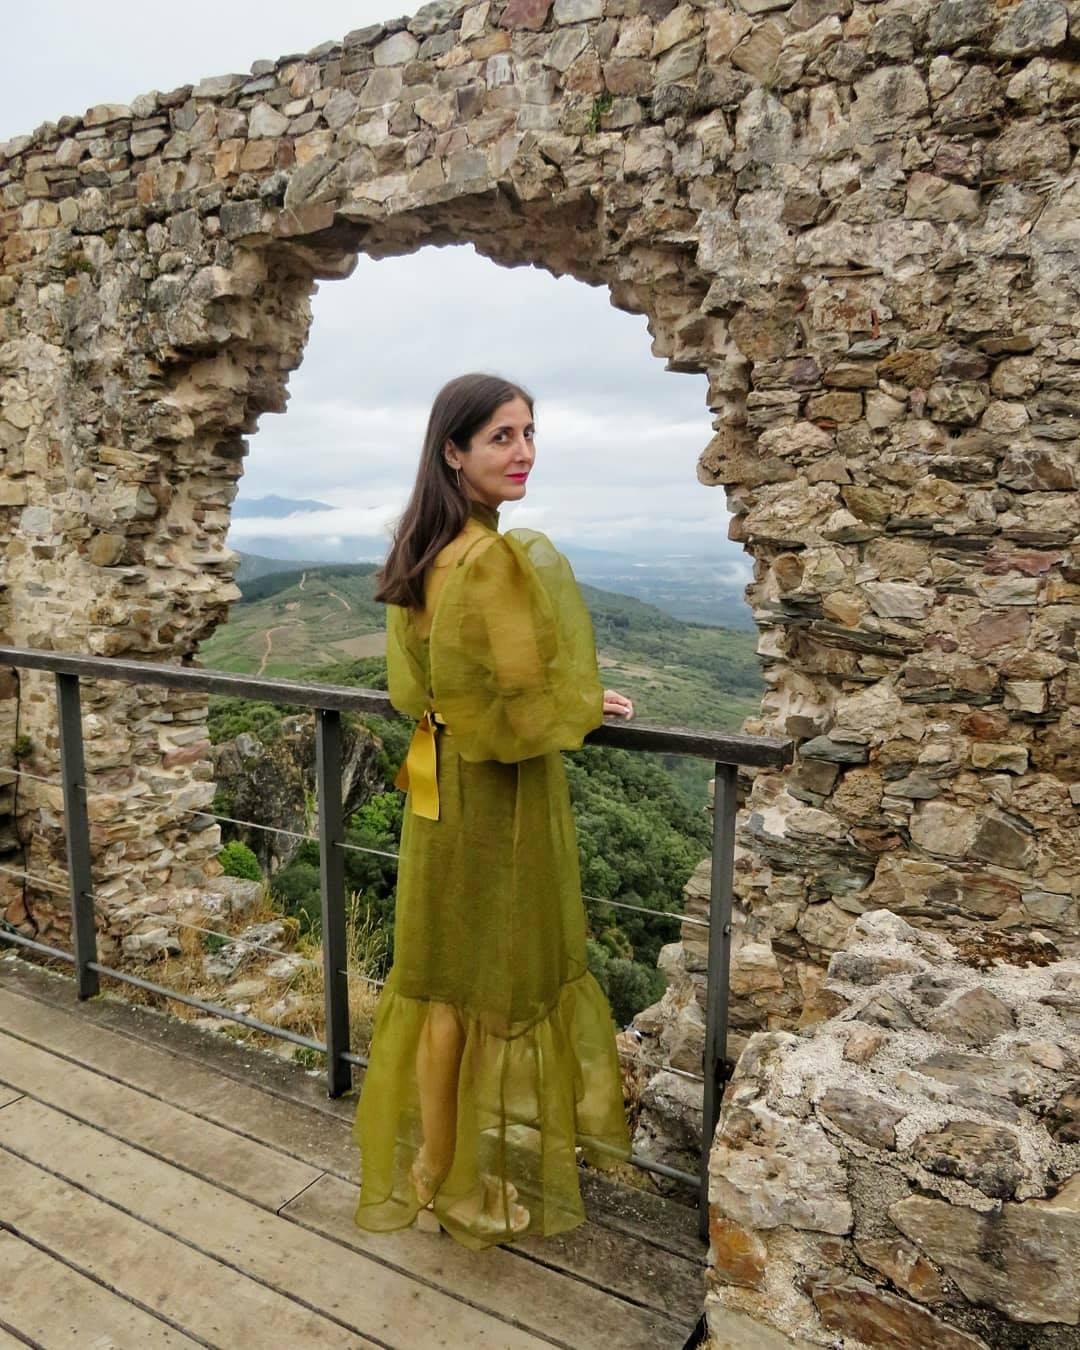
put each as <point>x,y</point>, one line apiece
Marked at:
<point>438,1058</point>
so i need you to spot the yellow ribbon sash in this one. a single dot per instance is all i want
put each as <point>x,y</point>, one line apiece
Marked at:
<point>420,770</point>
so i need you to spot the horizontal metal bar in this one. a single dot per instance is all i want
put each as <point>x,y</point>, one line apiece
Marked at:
<point>296,834</point>
<point>215,1008</point>
<point>8,936</point>
<point>758,752</point>
<point>38,881</point>
<point>641,909</point>
<point>367,979</point>
<point>656,1064</point>
<point>384,853</point>
<point>22,941</point>
<point>730,748</point>
<point>235,940</point>
<point>251,824</point>
<point>197,679</point>
<point>662,1169</point>
<point>362,848</point>
<point>25,773</point>
<point>352,974</point>
<point>359,848</point>
<point>647,1164</point>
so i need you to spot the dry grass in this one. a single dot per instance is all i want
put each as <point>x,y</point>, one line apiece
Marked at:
<point>294,1003</point>
<point>985,949</point>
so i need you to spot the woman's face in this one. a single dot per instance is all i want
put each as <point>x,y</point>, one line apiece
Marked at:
<point>500,455</point>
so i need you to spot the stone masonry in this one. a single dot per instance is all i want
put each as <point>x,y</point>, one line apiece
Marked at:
<point>910,1174</point>
<point>860,221</point>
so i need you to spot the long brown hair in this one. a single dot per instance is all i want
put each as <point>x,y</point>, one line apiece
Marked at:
<point>438,509</point>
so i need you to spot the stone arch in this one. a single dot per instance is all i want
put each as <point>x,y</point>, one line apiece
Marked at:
<point>858,222</point>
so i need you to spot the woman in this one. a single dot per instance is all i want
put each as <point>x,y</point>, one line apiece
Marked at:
<point>493,1052</point>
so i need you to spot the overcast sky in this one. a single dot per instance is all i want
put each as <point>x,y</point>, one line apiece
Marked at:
<point>617,435</point>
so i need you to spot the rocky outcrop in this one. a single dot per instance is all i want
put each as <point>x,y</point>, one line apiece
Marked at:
<point>273,782</point>
<point>908,1172</point>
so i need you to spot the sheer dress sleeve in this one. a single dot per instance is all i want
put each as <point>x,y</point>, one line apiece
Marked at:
<point>406,683</point>
<point>513,652</point>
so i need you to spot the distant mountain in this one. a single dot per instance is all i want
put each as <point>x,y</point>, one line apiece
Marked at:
<point>296,619</point>
<point>694,588</point>
<point>296,549</point>
<point>255,565</point>
<point>276,507</point>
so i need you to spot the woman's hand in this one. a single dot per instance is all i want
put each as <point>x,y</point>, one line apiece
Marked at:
<point>617,703</point>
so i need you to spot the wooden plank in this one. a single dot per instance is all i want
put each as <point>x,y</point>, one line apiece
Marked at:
<point>325,1142</point>
<point>212,1302</point>
<point>554,1303</point>
<point>47,1301</point>
<point>359,1292</point>
<point>258,1173</point>
<point>241,1060</point>
<point>174,1039</point>
<point>8,1095</point>
<point>321,1140</point>
<point>644,1214</point>
<point>548,1302</point>
<point>628,1267</point>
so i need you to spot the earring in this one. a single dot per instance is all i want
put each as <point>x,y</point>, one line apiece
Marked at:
<point>458,472</point>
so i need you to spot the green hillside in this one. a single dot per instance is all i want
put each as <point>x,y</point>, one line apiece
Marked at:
<point>677,673</point>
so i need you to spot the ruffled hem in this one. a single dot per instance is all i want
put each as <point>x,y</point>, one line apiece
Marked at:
<point>524,1105</point>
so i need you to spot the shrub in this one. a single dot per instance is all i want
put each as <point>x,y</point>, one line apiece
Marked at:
<point>598,958</point>
<point>297,888</point>
<point>631,987</point>
<point>239,861</point>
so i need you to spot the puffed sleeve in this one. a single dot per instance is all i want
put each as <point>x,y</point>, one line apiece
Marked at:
<point>513,653</point>
<point>405,684</point>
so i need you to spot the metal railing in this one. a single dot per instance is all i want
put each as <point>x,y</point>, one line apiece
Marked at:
<point>329,701</point>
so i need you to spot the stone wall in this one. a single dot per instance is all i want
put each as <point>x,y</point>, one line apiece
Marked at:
<point>907,474</point>
<point>860,221</point>
<point>910,1174</point>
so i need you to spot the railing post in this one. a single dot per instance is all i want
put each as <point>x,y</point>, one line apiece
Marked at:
<point>725,785</point>
<point>73,780</point>
<point>332,879</point>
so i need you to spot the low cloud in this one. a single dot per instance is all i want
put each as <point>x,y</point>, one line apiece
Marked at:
<point>618,437</point>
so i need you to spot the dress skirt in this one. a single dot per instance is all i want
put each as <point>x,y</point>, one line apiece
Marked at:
<point>490,930</point>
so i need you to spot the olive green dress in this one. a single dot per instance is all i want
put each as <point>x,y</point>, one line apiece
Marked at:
<point>489,914</point>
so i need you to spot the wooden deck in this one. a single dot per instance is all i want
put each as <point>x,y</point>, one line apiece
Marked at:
<point>160,1186</point>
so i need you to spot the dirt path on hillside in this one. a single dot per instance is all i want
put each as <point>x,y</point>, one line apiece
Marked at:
<point>269,636</point>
